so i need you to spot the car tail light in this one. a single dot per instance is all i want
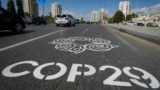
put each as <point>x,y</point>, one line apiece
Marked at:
<point>66,18</point>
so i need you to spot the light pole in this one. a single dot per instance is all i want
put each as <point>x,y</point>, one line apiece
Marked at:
<point>43,10</point>
<point>104,11</point>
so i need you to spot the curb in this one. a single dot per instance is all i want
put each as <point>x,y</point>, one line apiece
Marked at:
<point>147,37</point>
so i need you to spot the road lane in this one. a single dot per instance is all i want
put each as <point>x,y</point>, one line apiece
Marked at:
<point>85,57</point>
<point>30,40</point>
<point>32,31</point>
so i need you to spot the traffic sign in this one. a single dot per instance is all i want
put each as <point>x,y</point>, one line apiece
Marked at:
<point>41,1</point>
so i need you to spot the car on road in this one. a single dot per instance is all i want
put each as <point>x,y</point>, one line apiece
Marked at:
<point>140,24</point>
<point>132,24</point>
<point>152,25</point>
<point>10,21</point>
<point>77,21</point>
<point>65,20</point>
<point>36,20</point>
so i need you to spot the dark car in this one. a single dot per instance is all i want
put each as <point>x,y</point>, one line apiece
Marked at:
<point>38,21</point>
<point>140,24</point>
<point>10,21</point>
<point>35,20</point>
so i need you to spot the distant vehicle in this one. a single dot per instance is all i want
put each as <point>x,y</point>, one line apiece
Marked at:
<point>77,21</point>
<point>132,24</point>
<point>88,22</point>
<point>140,24</point>
<point>28,20</point>
<point>65,19</point>
<point>10,21</point>
<point>36,20</point>
<point>152,25</point>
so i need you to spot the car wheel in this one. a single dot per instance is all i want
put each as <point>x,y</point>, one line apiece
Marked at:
<point>18,28</point>
<point>69,24</point>
<point>57,25</point>
<point>73,24</point>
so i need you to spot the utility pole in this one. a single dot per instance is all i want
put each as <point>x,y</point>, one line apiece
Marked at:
<point>105,12</point>
<point>43,10</point>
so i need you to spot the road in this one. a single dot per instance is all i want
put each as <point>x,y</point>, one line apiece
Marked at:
<point>84,57</point>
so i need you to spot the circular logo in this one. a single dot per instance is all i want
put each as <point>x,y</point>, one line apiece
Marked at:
<point>80,44</point>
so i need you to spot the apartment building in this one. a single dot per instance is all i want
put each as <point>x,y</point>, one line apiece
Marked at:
<point>56,9</point>
<point>124,6</point>
<point>31,7</point>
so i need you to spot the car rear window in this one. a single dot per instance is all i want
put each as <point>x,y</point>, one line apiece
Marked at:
<point>61,16</point>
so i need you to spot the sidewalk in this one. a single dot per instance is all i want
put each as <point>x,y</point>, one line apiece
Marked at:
<point>148,33</point>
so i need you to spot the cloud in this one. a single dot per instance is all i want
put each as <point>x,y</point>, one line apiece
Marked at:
<point>150,10</point>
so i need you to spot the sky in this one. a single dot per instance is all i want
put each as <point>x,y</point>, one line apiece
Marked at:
<point>83,8</point>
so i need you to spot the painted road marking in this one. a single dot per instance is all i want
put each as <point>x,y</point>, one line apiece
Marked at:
<point>73,44</point>
<point>151,81</point>
<point>30,40</point>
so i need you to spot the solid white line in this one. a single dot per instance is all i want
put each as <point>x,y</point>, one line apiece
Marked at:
<point>30,40</point>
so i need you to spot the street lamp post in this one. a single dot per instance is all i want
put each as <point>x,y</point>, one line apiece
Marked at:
<point>105,12</point>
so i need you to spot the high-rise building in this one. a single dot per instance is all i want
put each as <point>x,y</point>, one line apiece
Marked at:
<point>31,7</point>
<point>56,9</point>
<point>99,16</point>
<point>95,16</point>
<point>124,6</point>
<point>103,15</point>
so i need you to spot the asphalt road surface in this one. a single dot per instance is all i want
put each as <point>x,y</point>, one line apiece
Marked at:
<point>84,57</point>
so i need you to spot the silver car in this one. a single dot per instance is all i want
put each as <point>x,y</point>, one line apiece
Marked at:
<point>65,20</point>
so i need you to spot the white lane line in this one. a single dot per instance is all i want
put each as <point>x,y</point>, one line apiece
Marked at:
<point>85,30</point>
<point>30,40</point>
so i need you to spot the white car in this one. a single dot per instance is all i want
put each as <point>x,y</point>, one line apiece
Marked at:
<point>64,19</point>
<point>132,24</point>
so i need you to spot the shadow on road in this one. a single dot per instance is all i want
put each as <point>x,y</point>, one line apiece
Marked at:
<point>6,33</point>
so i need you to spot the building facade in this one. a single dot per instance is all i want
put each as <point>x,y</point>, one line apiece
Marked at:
<point>56,9</point>
<point>31,7</point>
<point>99,16</point>
<point>94,16</point>
<point>124,6</point>
<point>48,14</point>
<point>103,15</point>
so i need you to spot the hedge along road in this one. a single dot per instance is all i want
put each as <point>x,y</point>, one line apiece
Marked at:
<point>86,57</point>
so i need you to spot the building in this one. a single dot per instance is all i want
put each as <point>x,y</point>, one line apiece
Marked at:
<point>103,15</point>
<point>49,14</point>
<point>99,16</point>
<point>94,16</point>
<point>56,9</point>
<point>124,6</point>
<point>31,7</point>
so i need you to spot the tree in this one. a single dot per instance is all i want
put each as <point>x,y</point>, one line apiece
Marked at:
<point>110,20</point>
<point>11,7</point>
<point>130,16</point>
<point>20,8</point>
<point>118,17</point>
